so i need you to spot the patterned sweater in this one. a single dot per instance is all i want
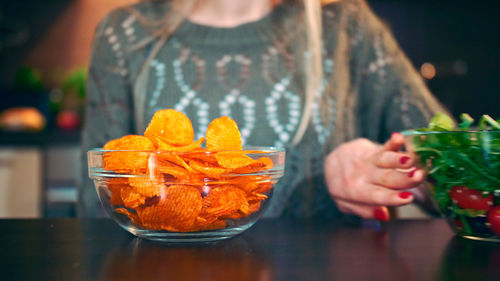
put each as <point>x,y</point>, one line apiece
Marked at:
<point>253,73</point>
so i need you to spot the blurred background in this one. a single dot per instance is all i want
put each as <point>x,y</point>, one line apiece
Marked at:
<point>44,54</point>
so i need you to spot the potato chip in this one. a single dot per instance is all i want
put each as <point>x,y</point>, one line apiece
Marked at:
<point>127,161</point>
<point>233,159</point>
<point>224,201</point>
<point>132,216</point>
<point>223,134</point>
<point>202,156</point>
<point>263,187</point>
<point>177,210</point>
<point>261,164</point>
<point>172,126</point>
<point>115,198</point>
<point>254,206</point>
<point>146,187</point>
<point>204,224</point>
<point>174,159</point>
<point>163,145</point>
<point>207,168</point>
<point>172,170</point>
<point>131,198</point>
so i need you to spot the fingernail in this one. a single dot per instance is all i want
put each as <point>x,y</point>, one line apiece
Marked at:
<point>395,134</point>
<point>380,215</point>
<point>404,159</point>
<point>412,172</point>
<point>405,194</point>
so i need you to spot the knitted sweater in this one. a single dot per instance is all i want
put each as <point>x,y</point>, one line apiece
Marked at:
<point>253,73</point>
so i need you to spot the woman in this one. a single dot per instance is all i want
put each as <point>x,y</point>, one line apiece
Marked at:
<point>325,80</point>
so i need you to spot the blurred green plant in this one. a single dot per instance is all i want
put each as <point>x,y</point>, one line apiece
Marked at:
<point>28,79</point>
<point>75,81</point>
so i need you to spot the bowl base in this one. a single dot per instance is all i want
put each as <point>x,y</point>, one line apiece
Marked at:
<point>480,238</point>
<point>188,237</point>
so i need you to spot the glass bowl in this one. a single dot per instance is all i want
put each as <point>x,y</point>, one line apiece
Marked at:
<point>463,178</point>
<point>185,196</point>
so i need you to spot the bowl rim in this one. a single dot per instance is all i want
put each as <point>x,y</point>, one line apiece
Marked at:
<point>416,132</point>
<point>250,150</point>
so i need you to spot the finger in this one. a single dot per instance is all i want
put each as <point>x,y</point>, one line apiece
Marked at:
<point>395,142</point>
<point>368,212</point>
<point>373,194</point>
<point>391,178</point>
<point>393,160</point>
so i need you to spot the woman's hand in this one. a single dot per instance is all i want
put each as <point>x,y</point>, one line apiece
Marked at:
<point>363,177</point>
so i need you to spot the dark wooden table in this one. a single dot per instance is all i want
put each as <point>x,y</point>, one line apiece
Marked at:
<point>285,249</point>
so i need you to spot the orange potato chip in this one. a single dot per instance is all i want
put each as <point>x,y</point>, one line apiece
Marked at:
<point>204,224</point>
<point>115,190</point>
<point>173,170</point>
<point>127,161</point>
<point>202,156</point>
<point>224,201</point>
<point>254,207</point>
<point>162,145</point>
<point>261,164</point>
<point>223,134</point>
<point>147,187</point>
<point>132,216</point>
<point>131,198</point>
<point>233,159</point>
<point>172,126</point>
<point>263,187</point>
<point>207,168</point>
<point>174,159</point>
<point>177,210</point>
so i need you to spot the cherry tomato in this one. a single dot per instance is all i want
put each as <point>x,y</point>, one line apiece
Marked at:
<point>68,120</point>
<point>467,198</point>
<point>494,219</point>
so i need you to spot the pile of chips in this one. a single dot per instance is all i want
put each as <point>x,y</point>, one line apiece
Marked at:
<point>180,186</point>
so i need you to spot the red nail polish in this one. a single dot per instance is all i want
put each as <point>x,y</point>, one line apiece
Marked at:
<point>380,215</point>
<point>405,194</point>
<point>404,159</point>
<point>395,134</point>
<point>412,172</point>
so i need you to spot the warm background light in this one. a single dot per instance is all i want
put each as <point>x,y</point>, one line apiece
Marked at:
<point>428,70</point>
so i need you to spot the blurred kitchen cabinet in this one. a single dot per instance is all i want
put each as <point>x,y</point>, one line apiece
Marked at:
<point>20,182</point>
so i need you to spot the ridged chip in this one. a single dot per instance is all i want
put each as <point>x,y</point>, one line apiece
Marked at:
<point>208,224</point>
<point>172,126</point>
<point>207,168</point>
<point>261,164</point>
<point>132,216</point>
<point>224,201</point>
<point>177,209</point>
<point>146,187</point>
<point>223,134</point>
<point>163,145</point>
<point>131,198</point>
<point>127,161</point>
<point>233,159</point>
<point>173,170</point>
<point>115,189</point>
<point>169,158</point>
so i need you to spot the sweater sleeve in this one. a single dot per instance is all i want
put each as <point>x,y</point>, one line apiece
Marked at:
<point>392,95</point>
<point>108,113</point>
